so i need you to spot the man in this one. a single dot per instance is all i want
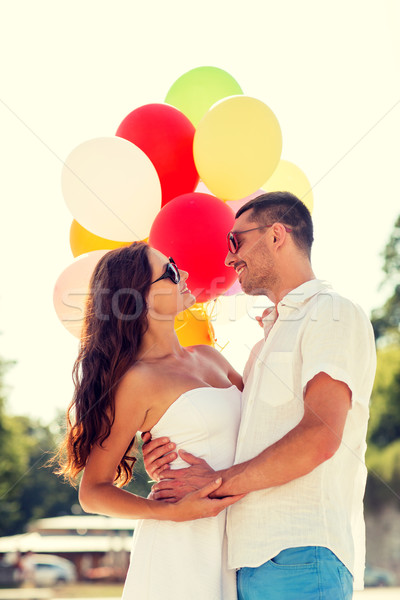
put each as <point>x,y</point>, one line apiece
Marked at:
<point>299,532</point>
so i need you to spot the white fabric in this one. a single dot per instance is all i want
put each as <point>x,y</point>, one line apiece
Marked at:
<point>314,330</point>
<point>181,561</point>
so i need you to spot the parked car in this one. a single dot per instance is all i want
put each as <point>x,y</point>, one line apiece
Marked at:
<point>9,576</point>
<point>49,570</point>
<point>375,577</point>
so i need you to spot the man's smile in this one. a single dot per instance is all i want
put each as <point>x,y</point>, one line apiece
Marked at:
<point>239,268</point>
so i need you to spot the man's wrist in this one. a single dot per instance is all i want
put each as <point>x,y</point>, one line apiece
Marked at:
<point>219,493</point>
<point>232,481</point>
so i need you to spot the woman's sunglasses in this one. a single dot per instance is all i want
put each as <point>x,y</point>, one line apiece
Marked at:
<point>233,242</point>
<point>171,272</point>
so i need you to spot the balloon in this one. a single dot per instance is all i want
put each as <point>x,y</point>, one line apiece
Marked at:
<point>192,229</point>
<point>287,177</point>
<point>193,327</point>
<point>197,90</point>
<point>71,291</point>
<point>111,188</point>
<point>82,241</point>
<point>166,136</point>
<point>236,288</point>
<point>237,146</point>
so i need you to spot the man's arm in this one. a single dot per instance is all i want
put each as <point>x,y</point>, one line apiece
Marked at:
<point>314,440</point>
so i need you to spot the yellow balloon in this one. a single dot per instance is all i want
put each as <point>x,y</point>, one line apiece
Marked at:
<point>237,147</point>
<point>193,327</point>
<point>82,241</point>
<point>287,177</point>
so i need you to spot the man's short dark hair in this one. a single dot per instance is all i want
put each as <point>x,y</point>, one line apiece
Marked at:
<point>285,208</point>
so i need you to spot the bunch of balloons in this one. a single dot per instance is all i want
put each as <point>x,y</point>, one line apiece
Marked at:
<point>173,174</point>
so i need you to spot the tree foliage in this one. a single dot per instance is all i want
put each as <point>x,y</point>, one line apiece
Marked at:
<point>384,425</point>
<point>386,319</point>
<point>29,489</point>
<point>383,454</point>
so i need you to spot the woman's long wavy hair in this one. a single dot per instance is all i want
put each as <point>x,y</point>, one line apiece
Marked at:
<point>115,321</point>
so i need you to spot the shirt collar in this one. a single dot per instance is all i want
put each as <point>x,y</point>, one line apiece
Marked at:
<point>294,299</point>
<point>304,292</point>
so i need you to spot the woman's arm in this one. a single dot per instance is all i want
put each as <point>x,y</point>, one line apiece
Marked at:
<point>98,494</point>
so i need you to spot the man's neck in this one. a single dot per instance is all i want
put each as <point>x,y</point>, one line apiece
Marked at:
<point>289,284</point>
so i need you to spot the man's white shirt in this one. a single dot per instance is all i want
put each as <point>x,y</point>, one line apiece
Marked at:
<point>313,330</point>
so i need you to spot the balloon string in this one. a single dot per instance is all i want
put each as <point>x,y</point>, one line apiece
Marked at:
<point>211,308</point>
<point>180,326</point>
<point>222,348</point>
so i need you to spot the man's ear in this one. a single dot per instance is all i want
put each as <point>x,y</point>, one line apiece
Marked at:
<point>279,233</point>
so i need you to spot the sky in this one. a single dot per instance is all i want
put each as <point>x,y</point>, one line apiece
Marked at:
<point>71,71</point>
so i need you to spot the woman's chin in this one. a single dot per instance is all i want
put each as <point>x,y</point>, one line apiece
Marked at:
<point>186,301</point>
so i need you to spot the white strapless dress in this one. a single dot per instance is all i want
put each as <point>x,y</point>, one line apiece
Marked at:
<point>187,561</point>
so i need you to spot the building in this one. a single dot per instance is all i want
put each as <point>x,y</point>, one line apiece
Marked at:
<point>98,546</point>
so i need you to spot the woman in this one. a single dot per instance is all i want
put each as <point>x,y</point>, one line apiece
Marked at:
<point>132,375</point>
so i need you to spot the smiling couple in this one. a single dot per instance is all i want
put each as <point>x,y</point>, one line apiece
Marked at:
<point>283,447</point>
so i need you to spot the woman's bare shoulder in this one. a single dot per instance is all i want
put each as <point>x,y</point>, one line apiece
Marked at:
<point>142,379</point>
<point>205,350</point>
<point>209,353</point>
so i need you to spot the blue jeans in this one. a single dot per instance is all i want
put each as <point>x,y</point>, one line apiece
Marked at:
<point>306,573</point>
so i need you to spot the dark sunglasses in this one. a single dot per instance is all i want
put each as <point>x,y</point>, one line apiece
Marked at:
<point>171,272</point>
<point>233,242</point>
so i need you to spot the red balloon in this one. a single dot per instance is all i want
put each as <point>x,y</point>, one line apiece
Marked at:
<point>166,136</point>
<point>192,229</point>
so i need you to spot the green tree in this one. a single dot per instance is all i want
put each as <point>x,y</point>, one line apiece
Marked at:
<point>41,492</point>
<point>14,460</point>
<point>383,453</point>
<point>384,425</point>
<point>386,320</point>
<point>29,488</point>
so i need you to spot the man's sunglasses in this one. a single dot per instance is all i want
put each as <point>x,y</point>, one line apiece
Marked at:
<point>171,272</point>
<point>233,242</point>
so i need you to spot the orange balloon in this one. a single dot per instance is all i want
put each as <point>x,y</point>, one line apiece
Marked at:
<point>82,241</point>
<point>193,327</point>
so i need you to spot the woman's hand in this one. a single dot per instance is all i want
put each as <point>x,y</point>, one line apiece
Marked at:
<point>198,505</point>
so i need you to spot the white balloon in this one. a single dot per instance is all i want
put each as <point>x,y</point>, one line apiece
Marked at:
<point>112,188</point>
<point>72,288</point>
